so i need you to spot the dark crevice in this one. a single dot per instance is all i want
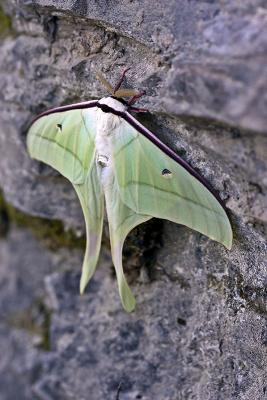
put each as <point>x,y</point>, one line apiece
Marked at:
<point>141,247</point>
<point>4,219</point>
<point>50,27</point>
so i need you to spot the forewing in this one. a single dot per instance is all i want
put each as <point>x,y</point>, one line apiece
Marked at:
<point>152,183</point>
<point>65,141</point>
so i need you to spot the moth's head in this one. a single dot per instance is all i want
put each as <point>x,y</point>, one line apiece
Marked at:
<point>116,91</point>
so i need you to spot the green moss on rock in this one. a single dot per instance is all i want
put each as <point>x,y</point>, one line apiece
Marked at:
<point>51,232</point>
<point>5,23</point>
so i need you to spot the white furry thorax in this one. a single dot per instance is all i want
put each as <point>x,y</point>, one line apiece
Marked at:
<point>113,103</point>
<point>106,125</point>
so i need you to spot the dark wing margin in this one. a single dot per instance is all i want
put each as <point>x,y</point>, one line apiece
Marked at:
<point>74,106</point>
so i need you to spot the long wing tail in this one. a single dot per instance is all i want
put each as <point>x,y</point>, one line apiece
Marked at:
<point>121,221</point>
<point>92,201</point>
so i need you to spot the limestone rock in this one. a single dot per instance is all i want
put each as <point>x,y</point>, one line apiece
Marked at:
<point>199,330</point>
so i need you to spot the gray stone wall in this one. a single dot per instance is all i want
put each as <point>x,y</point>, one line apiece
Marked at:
<point>199,330</point>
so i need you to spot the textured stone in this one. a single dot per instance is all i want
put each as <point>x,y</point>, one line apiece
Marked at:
<point>199,330</point>
<point>222,73</point>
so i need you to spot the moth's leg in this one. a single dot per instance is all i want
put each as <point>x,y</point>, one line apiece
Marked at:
<point>121,80</point>
<point>136,97</point>
<point>126,92</point>
<point>138,110</point>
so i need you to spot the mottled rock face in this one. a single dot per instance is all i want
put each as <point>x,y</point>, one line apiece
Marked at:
<point>199,331</point>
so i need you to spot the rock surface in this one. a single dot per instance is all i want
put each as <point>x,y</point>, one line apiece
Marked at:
<point>199,330</point>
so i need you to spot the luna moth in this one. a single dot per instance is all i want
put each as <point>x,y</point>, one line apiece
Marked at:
<point>110,157</point>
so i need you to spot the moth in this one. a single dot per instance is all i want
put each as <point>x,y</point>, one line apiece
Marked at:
<point>110,158</point>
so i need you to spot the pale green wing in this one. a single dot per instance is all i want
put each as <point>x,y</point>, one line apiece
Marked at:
<point>121,221</point>
<point>65,141</point>
<point>92,201</point>
<point>152,183</point>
